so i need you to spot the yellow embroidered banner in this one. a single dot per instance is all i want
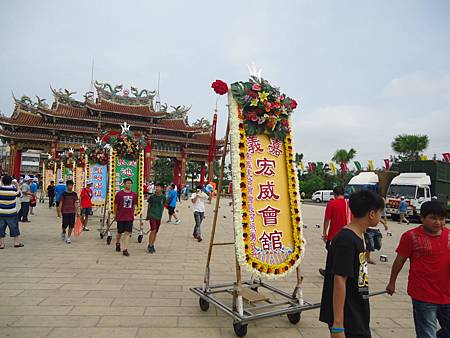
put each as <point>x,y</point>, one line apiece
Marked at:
<point>268,232</point>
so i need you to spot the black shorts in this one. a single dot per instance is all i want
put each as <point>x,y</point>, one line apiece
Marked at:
<point>124,226</point>
<point>171,210</point>
<point>68,220</point>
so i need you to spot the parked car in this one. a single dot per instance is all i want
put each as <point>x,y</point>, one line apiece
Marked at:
<point>322,196</point>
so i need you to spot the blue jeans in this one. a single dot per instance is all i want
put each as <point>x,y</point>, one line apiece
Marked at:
<point>426,316</point>
<point>12,223</point>
<point>23,212</point>
<point>198,216</point>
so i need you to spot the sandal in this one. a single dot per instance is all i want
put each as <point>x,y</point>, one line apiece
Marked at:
<point>2,247</point>
<point>20,245</point>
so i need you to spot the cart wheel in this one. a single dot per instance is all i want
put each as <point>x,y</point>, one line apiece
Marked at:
<point>108,240</point>
<point>240,329</point>
<point>204,305</point>
<point>140,238</point>
<point>102,235</point>
<point>294,318</point>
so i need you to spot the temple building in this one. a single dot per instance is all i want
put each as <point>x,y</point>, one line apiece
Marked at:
<point>69,123</point>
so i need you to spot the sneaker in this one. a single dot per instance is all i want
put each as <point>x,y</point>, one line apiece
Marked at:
<point>68,241</point>
<point>118,247</point>
<point>169,221</point>
<point>151,249</point>
<point>178,221</point>
<point>322,272</point>
<point>125,252</point>
<point>85,229</point>
<point>199,238</point>
<point>63,237</point>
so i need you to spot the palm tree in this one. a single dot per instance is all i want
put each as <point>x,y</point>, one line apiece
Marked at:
<point>342,155</point>
<point>409,147</point>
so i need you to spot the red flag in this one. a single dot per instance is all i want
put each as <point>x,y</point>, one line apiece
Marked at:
<point>311,167</point>
<point>386,164</point>
<point>212,147</point>
<point>344,167</point>
<point>446,157</point>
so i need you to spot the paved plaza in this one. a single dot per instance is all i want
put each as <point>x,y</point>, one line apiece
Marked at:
<point>86,289</point>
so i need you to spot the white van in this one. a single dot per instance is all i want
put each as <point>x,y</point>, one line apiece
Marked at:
<point>322,196</point>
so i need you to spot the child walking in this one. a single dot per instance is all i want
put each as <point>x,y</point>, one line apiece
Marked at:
<point>68,208</point>
<point>345,303</point>
<point>428,249</point>
<point>124,204</point>
<point>155,211</point>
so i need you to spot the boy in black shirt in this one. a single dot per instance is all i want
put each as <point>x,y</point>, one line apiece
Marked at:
<point>345,302</point>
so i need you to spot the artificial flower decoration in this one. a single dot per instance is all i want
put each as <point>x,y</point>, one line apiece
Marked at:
<point>264,109</point>
<point>220,87</point>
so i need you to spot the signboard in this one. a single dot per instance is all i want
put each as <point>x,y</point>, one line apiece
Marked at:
<point>48,176</point>
<point>98,174</point>
<point>122,168</point>
<point>268,233</point>
<point>79,177</point>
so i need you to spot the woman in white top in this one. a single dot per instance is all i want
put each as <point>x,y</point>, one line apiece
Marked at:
<point>198,199</point>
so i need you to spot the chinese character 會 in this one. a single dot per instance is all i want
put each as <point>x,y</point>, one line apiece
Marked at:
<point>269,215</point>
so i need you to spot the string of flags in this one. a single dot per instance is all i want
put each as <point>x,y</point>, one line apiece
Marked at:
<point>358,166</point>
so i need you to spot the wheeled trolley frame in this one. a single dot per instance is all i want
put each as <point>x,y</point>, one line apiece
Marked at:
<point>247,303</point>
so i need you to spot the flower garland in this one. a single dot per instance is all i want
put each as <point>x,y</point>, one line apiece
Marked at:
<point>125,144</point>
<point>264,109</point>
<point>98,154</point>
<point>238,135</point>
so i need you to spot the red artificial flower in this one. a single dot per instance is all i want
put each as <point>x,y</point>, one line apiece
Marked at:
<point>285,122</point>
<point>271,123</point>
<point>251,93</point>
<point>220,87</point>
<point>256,87</point>
<point>252,115</point>
<point>293,104</point>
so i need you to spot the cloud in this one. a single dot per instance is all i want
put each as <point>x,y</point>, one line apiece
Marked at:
<point>413,104</point>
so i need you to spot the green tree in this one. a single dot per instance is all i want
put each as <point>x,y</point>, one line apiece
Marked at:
<point>311,183</point>
<point>409,147</point>
<point>342,155</point>
<point>163,170</point>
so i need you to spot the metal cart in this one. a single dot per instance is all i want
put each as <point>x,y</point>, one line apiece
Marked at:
<point>247,302</point>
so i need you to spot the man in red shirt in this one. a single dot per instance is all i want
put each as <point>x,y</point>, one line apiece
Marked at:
<point>337,216</point>
<point>124,204</point>
<point>428,249</point>
<point>86,204</point>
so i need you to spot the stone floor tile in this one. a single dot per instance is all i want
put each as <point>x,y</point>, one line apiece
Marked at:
<point>22,332</point>
<point>93,332</point>
<point>178,333</point>
<point>137,321</point>
<point>60,300</point>
<point>34,310</point>
<point>107,310</point>
<point>57,321</point>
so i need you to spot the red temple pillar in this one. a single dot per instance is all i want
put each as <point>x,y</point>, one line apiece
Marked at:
<point>54,149</point>
<point>210,171</point>
<point>17,163</point>
<point>12,156</point>
<point>202,174</point>
<point>147,160</point>
<point>183,169</point>
<point>176,172</point>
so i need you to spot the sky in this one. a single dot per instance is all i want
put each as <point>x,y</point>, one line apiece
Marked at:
<point>362,71</point>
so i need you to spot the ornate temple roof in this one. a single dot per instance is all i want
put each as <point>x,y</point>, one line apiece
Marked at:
<point>112,107</point>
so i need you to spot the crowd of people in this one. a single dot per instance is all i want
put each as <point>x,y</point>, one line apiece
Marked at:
<point>71,208</point>
<point>350,234</point>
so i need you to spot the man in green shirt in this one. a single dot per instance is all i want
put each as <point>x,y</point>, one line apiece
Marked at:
<point>155,210</point>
